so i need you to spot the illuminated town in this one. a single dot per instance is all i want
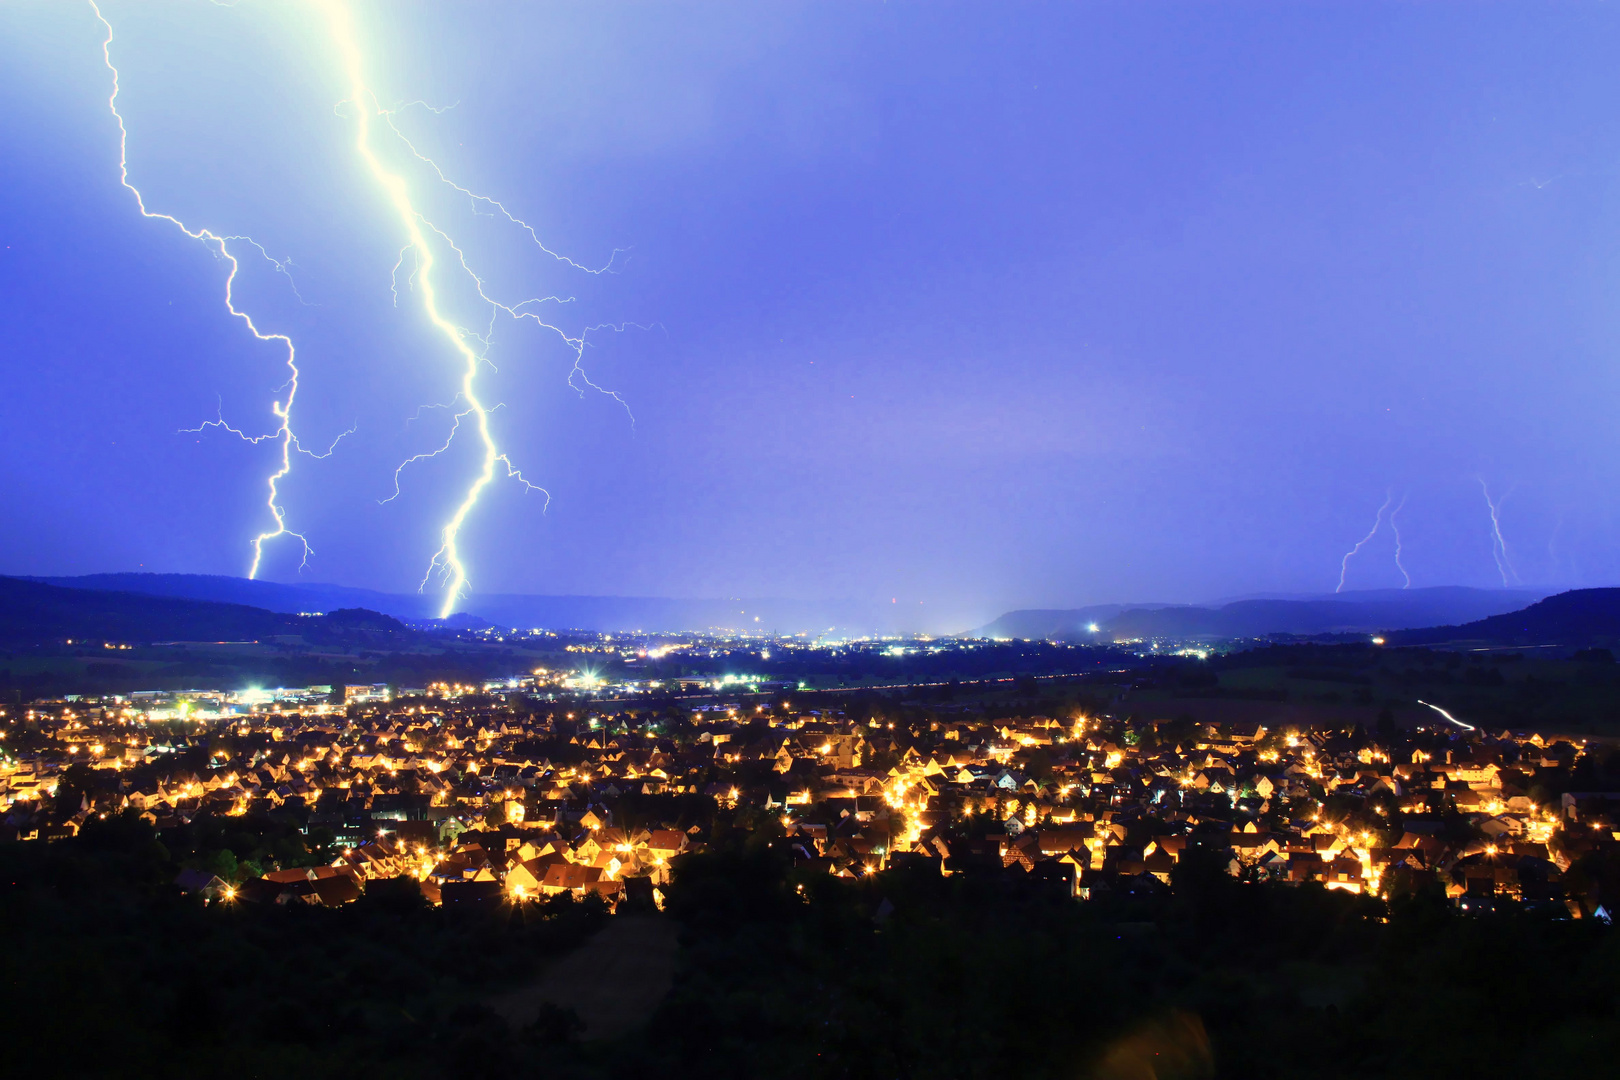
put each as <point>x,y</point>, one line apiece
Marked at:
<point>494,791</point>
<point>809,541</point>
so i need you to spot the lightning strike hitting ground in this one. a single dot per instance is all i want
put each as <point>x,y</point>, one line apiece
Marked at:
<point>422,235</point>
<point>1344,563</point>
<point>1499,551</point>
<point>447,559</point>
<point>283,435</point>
<point>1396,529</point>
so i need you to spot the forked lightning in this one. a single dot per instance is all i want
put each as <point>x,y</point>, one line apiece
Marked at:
<point>283,435</point>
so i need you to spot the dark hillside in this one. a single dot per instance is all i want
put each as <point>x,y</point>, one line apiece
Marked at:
<point>1369,611</point>
<point>35,614</point>
<point>1578,617</point>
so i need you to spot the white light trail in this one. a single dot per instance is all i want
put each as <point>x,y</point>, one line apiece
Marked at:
<point>1448,716</point>
<point>283,435</point>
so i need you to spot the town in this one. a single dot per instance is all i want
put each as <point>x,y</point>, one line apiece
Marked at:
<point>499,794</point>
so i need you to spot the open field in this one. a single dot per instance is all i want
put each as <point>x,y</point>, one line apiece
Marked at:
<point>614,981</point>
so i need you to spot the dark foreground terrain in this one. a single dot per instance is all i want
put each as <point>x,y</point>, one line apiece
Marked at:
<point>109,971</point>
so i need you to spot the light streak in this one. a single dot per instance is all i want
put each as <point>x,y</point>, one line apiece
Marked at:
<point>421,236</point>
<point>1344,563</point>
<point>283,434</point>
<point>1499,552</point>
<point>1448,716</point>
<point>1396,529</point>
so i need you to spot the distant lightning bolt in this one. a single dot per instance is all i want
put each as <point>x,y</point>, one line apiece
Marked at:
<point>1552,545</point>
<point>1344,563</point>
<point>283,434</point>
<point>1396,529</point>
<point>1499,551</point>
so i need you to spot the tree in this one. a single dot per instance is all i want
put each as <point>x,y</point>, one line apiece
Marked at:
<point>72,790</point>
<point>222,864</point>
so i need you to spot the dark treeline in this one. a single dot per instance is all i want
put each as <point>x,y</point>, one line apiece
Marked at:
<point>783,973</point>
<point>970,976</point>
<point>176,667</point>
<point>111,971</point>
<point>939,662</point>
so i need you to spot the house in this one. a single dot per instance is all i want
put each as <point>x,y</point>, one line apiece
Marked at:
<point>569,877</point>
<point>204,884</point>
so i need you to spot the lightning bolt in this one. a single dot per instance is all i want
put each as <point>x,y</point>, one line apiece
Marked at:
<point>447,560</point>
<point>1499,551</point>
<point>1552,542</point>
<point>427,244</point>
<point>1344,563</point>
<point>1396,529</point>
<point>281,408</point>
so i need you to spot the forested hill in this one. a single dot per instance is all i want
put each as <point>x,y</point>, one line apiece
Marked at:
<point>32,613</point>
<point>1578,617</point>
<point>1366,611</point>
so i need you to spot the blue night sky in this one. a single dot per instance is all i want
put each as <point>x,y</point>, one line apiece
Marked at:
<point>971,306</point>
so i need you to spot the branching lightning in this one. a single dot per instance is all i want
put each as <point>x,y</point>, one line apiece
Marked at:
<point>1378,522</point>
<point>281,408</point>
<point>455,425</point>
<point>421,236</point>
<point>428,245</point>
<point>388,118</point>
<point>1499,551</point>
